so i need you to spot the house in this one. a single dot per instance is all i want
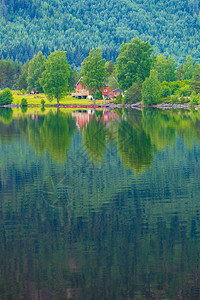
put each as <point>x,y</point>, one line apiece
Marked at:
<point>82,92</point>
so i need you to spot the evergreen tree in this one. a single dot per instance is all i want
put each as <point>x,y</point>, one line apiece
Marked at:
<point>35,70</point>
<point>22,81</point>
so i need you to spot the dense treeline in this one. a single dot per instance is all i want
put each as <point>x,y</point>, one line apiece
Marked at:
<point>27,27</point>
<point>138,73</point>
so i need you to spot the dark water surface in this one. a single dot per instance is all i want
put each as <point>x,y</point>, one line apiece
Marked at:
<point>100,205</point>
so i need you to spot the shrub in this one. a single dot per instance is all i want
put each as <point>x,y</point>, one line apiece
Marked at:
<point>194,99</point>
<point>24,92</point>
<point>98,95</point>
<point>165,91</point>
<point>118,99</point>
<point>134,94</point>
<point>6,97</point>
<point>43,102</point>
<point>185,91</point>
<point>24,102</point>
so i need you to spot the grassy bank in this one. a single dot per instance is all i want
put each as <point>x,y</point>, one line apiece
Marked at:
<point>36,100</point>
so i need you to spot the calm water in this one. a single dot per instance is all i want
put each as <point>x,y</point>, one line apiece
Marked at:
<point>99,205</point>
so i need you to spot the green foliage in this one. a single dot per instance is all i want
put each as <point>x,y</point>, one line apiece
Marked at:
<point>56,76</point>
<point>133,63</point>
<point>24,102</point>
<point>6,97</point>
<point>22,81</point>
<point>73,78</point>
<point>98,95</point>
<point>112,80</point>
<point>186,70</point>
<point>93,70</point>
<point>194,99</point>
<point>9,73</point>
<point>195,82</point>
<point>43,102</point>
<point>35,70</point>
<point>165,91</point>
<point>110,66</point>
<point>151,89</point>
<point>119,99</point>
<point>165,68</point>
<point>28,27</point>
<point>134,93</point>
<point>183,88</point>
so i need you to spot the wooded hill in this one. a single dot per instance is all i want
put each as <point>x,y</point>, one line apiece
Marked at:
<point>28,26</point>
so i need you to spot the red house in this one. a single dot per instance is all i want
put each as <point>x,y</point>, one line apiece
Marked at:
<point>83,93</point>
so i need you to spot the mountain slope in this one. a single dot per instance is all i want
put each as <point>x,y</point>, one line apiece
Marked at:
<point>29,26</point>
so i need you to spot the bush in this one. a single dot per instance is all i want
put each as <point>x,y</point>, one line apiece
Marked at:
<point>6,97</point>
<point>165,91</point>
<point>134,94</point>
<point>24,92</point>
<point>98,95</point>
<point>43,102</point>
<point>24,102</point>
<point>194,99</point>
<point>185,91</point>
<point>118,99</point>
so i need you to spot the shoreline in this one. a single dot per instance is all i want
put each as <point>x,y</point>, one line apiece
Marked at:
<point>163,106</point>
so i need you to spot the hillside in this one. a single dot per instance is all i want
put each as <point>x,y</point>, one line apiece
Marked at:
<point>28,26</point>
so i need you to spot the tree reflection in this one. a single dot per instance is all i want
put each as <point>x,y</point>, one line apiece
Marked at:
<point>6,115</point>
<point>51,133</point>
<point>95,139</point>
<point>160,127</point>
<point>134,146</point>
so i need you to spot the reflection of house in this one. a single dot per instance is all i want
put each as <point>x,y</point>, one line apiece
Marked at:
<point>83,93</point>
<point>84,117</point>
<point>109,116</point>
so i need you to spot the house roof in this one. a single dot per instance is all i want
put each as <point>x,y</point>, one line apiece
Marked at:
<point>117,91</point>
<point>79,81</point>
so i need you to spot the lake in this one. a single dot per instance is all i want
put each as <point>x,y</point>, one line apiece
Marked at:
<point>99,204</point>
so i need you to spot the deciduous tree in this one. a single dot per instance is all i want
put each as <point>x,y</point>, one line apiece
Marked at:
<point>94,71</point>
<point>134,62</point>
<point>165,68</point>
<point>56,76</point>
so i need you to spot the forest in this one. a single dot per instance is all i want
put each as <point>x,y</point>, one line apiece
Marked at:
<point>29,26</point>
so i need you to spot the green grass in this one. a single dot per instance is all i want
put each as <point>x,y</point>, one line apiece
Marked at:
<point>36,100</point>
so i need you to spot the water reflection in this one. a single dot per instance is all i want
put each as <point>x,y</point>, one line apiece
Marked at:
<point>50,133</point>
<point>100,205</point>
